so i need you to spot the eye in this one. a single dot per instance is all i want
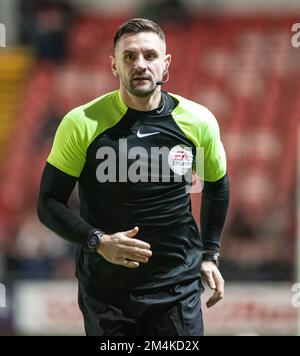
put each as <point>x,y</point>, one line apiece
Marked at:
<point>129,57</point>
<point>150,56</point>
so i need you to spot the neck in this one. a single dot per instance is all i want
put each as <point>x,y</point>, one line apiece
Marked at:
<point>141,104</point>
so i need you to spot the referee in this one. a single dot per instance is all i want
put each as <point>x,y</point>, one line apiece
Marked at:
<point>132,151</point>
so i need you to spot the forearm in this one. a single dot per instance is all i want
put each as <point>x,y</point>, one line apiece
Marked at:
<point>53,211</point>
<point>59,218</point>
<point>214,207</point>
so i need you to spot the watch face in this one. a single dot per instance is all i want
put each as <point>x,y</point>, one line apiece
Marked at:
<point>217,259</point>
<point>212,257</point>
<point>93,241</point>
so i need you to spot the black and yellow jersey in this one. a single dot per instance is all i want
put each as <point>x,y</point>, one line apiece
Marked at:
<point>134,169</point>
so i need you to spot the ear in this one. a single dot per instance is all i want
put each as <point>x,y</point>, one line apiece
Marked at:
<point>168,60</point>
<point>113,66</point>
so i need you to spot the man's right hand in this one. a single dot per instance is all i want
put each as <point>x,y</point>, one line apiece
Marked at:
<point>122,249</point>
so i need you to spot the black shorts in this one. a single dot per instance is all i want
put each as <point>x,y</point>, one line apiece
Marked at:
<point>166,311</point>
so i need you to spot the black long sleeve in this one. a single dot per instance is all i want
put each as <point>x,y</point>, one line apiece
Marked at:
<point>214,207</point>
<point>53,211</point>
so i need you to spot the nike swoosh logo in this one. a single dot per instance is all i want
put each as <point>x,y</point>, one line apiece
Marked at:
<point>140,135</point>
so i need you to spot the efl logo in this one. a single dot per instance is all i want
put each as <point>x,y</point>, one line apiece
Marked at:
<point>2,296</point>
<point>180,159</point>
<point>2,35</point>
<point>296,296</point>
<point>296,38</point>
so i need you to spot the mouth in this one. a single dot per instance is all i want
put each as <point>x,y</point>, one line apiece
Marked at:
<point>141,78</point>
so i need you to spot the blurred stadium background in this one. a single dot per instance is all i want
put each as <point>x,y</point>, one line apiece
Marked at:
<point>236,57</point>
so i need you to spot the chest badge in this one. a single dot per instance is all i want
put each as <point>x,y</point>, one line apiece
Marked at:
<point>180,159</point>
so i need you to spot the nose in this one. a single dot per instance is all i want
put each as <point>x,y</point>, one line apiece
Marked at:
<point>140,64</point>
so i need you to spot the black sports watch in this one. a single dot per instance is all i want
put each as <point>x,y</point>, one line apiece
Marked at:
<point>94,239</point>
<point>212,257</point>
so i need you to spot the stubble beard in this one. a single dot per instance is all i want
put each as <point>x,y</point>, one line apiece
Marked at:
<point>139,92</point>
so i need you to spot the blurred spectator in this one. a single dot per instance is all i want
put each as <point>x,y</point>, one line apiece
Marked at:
<point>38,253</point>
<point>1,265</point>
<point>254,248</point>
<point>44,26</point>
<point>48,128</point>
<point>165,11</point>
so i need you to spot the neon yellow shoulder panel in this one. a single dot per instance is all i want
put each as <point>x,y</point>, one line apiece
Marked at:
<point>201,127</point>
<point>80,127</point>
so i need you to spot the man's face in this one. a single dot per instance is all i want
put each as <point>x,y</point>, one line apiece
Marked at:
<point>140,61</point>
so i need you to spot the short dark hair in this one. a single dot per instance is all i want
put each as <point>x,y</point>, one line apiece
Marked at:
<point>138,25</point>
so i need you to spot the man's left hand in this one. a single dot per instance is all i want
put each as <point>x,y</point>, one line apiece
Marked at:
<point>215,281</point>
